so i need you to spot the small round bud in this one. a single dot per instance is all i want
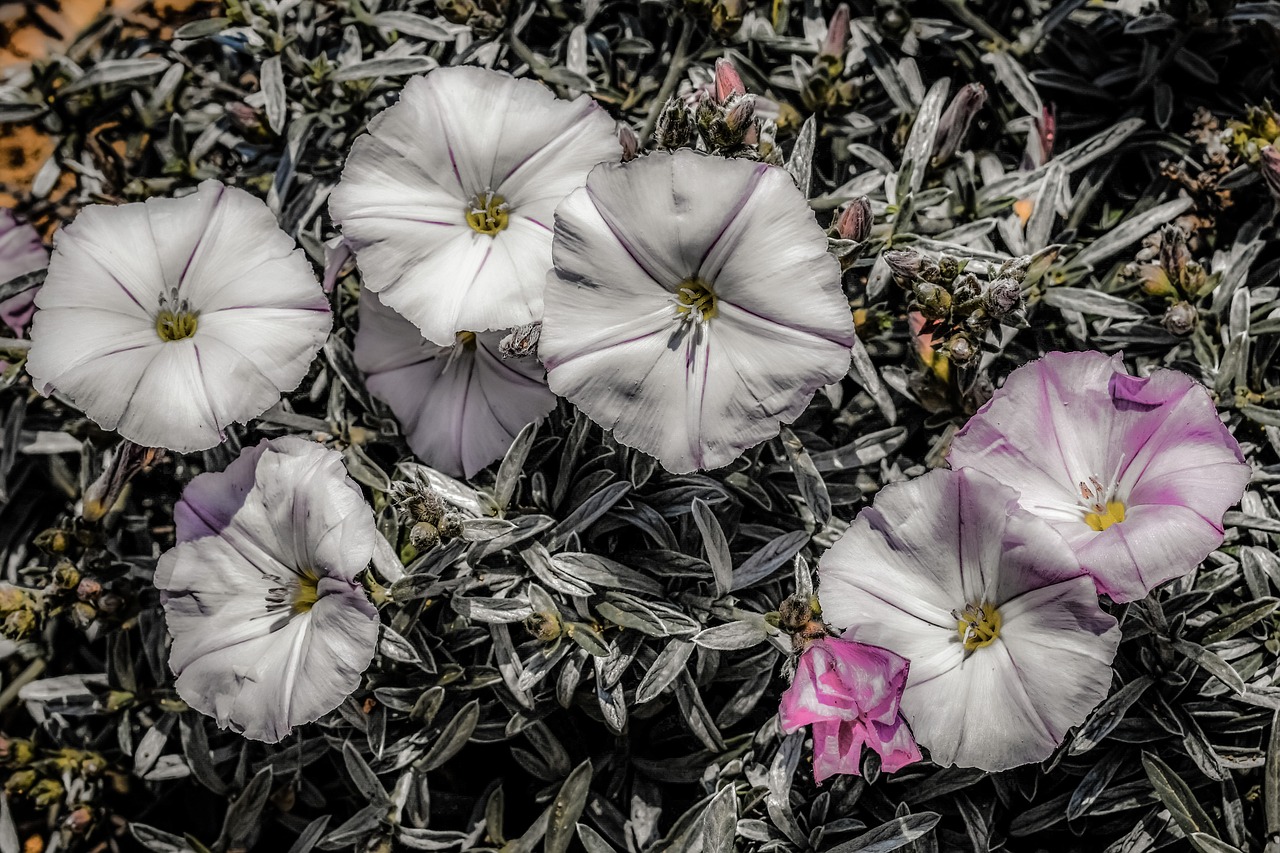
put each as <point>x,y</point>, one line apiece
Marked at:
<point>544,625</point>
<point>905,264</point>
<point>19,624</point>
<point>961,350</point>
<point>79,821</point>
<point>12,598</point>
<point>934,301</point>
<point>675,127</point>
<point>65,575</point>
<point>83,615</point>
<point>423,535</point>
<point>967,288</point>
<point>948,267</point>
<point>1003,297</point>
<point>88,589</point>
<point>855,221</point>
<point>1181,319</point>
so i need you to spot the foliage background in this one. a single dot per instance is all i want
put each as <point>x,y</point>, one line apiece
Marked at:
<point>597,668</point>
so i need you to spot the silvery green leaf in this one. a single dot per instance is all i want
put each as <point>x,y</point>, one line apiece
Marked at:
<point>669,664</point>
<point>277,102</point>
<point>453,738</point>
<point>1130,231</point>
<point>512,466</point>
<point>813,490</point>
<point>597,570</point>
<point>419,26</point>
<point>399,66</point>
<point>915,158</point>
<point>1093,302</point>
<point>732,636</point>
<point>769,558</point>
<point>587,637</point>
<point>892,835</point>
<point>633,615</point>
<point>1211,663</point>
<point>156,840</point>
<point>492,610</point>
<point>587,513</point>
<point>485,529</point>
<point>695,714</point>
<point>715,545</point>
<point>1109,714</point>
<point>245,813</point>
<point>365,780</point>
<point>1022,184</point>
<point>436,840</point>
<point>201,29</point>
<point>720,821</point>
<point>567,807</point>
<point>1013,77</point>
<point>109,71</point>
<point>593,841</point>
<point>800,163</point>
<point>1177,796</point>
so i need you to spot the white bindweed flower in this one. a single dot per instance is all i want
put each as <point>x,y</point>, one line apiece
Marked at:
<point>458,406</point>
<point>270,626</point>
<point>693,306</point>
<point>448,200</point>
<point>1008,646</point>
<point>169,319</point>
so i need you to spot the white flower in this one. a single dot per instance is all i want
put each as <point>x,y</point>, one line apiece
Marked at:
<point>170,319</point>
<point>693,306</point>
<point>458,406</point>
<point>270,627</point>
<point>448,200</point>
<point>1008,646</point>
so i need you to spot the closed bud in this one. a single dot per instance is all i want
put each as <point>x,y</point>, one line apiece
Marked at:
<point>46,792</point>
<point>1003,297</point>
<point>16,752</point>
<point>83,615</point>
<point>1174,255</point>
<point>88,589</point>
<point>966,289</point>
<point>948,268</point>
<point>12,598</point>
<point>19,624</point>
<point>955,121</point>
<point>1181,319</point>
<point>65,575</point>
<point>726,18</point>
<point>739,118</point>
<point>423,535</point>
<point>1269,159</point>
<point>79,821</point>
<point>837,36</point>
<point>905,264</point>
<point>934,301</point>
<point>20,782</point>
<point>961,350</point>
<point>110,603</point>
<point>450,525</point>
<point>545,625</point>
<point>675,128</point>
<point>855,221</point>
<point>53,540</point>
<point>728,81</point>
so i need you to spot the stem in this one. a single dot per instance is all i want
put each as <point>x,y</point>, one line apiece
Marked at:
<point>679,59</point>
<point>33,671</point>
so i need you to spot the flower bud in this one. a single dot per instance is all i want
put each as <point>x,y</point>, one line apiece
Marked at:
<point>46,792</point>
<point>934,301</point>
<point>19,624</point>
<point>948,267</point>
<point>961,350</point>
<point>728,81</point>
<point>1181,319</point>
<point>1174,255</point>
<point>79,821</point>
<point>674,128</point>
<point>65,575</point>
<point>837,36</point>
<point>16,752</point>
<point>423,535</point>
<point>83,615</point>
<point>904,263</point>
<point>20,782</point>
<point>726,18</point>
<point>110,603</point>
<point>1004,295</point>
<point>955,121</point>
<point>966,289</point>
<point>12,598</point>
<point>88,589</point>
<point>855,221</point>
<point>546,625</point>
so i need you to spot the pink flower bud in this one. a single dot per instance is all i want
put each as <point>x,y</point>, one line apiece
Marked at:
<point>728,81</point>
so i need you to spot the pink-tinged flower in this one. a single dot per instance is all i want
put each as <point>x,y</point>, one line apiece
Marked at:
<point>850,694</point>
<point>694,306</point>
<point>169,319</point>
<point>459,406</point>
<point>21,251</point>
<point>1135,473</point>
<point>1008,646</point>
<point>448,200</point>
<point>271,629</point>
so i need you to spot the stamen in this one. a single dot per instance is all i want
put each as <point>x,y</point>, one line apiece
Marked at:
<point>978,625</point>
<point>1103,517</point>
<point>489,213</point>
<point>176,320</point>
<point>695,301</point>
<point>306,595</point>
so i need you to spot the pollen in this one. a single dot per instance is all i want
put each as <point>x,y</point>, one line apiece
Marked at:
<point>978,625</point>
<point>176,325</point>
<point>696,301</point>
<point>1101,519</point>
<point>489,213</point>
<point>307,592</point>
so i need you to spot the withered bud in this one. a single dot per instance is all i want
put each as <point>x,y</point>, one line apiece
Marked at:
<point>739,117</point>
<point>65,575</point>
<point>961,350</point>
<point>934,301</point>
<point>1174,255</point>
<point>19,624</point>
<point>1004,295</point>
<point>423,535</point>
<point>955,121</point>
<point>53,540</point>
<point>123,463</point>
<point>450,525</point>
<point>674,128</point>
<point>1270,162</point>
<point>46,792</point>
<point>88,589</point>
<point>949,267</point>
<point>630,142</point>
<point>728,81</point>
<point>83,614</point>
<point>12,598</point>
<point>905,264</point>
<point>20,782</point>
<point>16,752</point>
<point>837,37</point>
<point>79,821</point>
<point>1181,319</point>
<point>545,625</point>
<point>966,288</point>
<point>726,18</point>
<point>855,221</point>
<point>521,341</point>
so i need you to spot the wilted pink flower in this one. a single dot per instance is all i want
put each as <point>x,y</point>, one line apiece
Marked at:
<point>1134,472</point>
<point>849,692</point>
<point>21,252</point>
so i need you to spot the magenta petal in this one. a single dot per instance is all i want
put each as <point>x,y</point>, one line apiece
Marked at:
<point>895,745</point>
<point>837,748</point>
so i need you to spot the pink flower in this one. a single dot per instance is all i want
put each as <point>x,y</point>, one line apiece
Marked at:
<point>21,251</point>
<point>1134,472</point>
<point>849,693</point>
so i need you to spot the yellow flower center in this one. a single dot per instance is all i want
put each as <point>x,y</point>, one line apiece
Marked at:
<point>305,596</point>
<point>176,325</point>
<point>1102,518</point>
<point>978,625</point>
<point>466,340</point>
<point>696,301</point>
<point>488,213</point>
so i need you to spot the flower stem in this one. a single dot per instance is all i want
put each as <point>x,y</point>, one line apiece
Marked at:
<point>679,58</point>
